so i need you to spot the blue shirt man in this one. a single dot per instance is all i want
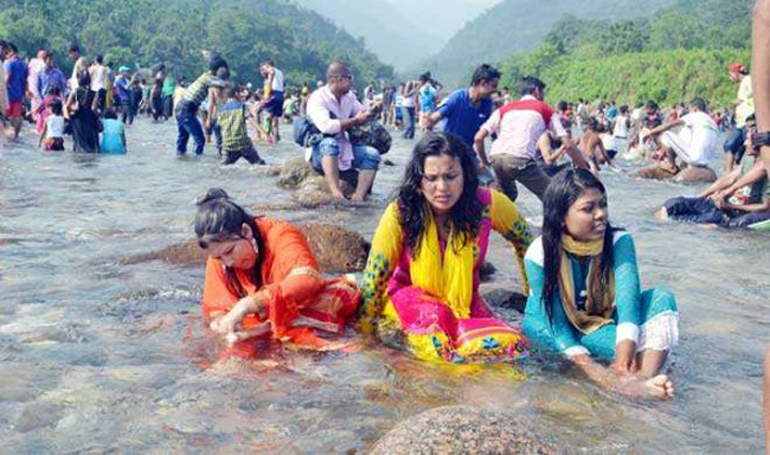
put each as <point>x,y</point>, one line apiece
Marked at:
<point>468,108</point>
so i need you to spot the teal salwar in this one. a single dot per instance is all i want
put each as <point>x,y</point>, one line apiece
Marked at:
<point>649,318</point>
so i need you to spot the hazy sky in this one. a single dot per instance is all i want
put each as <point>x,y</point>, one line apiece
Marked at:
<point>446,16</point>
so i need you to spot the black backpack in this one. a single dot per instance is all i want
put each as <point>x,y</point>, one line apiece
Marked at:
<point>372,134</point>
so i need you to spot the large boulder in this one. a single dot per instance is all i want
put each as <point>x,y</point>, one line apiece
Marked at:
<point>695,175</point>
<point>461,430</point>
<point>689,175</point>
<point>311,187</point>
<point>336,249</point>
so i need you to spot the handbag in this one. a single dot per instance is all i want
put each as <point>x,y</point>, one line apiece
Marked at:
<point>373,134</point>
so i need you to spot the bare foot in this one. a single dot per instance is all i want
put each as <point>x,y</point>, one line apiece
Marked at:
<point>358,198</point>
<point>338,195</point>
<point>660,387</point>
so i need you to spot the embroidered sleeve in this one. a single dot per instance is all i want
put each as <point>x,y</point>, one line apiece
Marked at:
<point>513,227</point>
<point>386,250</point>
<point>295,278</point>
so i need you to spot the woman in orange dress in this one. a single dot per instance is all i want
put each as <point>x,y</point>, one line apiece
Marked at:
<point>263,281</point>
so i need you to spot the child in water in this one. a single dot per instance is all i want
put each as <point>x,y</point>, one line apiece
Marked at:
<point>232,116</point>
<point>114,134</point>
<point>52,137</point>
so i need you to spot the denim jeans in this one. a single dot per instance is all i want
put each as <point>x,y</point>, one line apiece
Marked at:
<point>188,125</point>
<point>410,127</point>
<point>735,143</point>
<point>364,158</point>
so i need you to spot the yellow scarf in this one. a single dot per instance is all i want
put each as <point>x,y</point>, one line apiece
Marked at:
<point>600,302</point>
<point>451,281</point>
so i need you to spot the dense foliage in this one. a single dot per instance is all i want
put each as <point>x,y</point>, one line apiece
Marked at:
<point>679,53</point>
<point>522,25</point>
<point>149,32</point>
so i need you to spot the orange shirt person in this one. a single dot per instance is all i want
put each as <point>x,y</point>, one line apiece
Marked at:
<point>262,279</point>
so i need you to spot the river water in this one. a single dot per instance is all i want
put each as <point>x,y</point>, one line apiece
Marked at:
<point>98,357</point>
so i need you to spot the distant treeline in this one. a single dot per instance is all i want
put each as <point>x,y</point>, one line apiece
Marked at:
<point>174,32</point>
<point>679,53</point>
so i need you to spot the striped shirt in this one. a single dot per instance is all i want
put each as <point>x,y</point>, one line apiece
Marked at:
<point>231,117</point>
<point>197,92</point>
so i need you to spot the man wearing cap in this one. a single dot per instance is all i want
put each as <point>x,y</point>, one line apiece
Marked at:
<point>744,108</point>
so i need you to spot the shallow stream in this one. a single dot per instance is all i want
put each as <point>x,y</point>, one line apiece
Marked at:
<point>98,357</point>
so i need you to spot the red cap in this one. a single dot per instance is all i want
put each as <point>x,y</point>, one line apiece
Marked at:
<point>737,67</point>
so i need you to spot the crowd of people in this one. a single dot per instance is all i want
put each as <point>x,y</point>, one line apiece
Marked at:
<point>421,284</point>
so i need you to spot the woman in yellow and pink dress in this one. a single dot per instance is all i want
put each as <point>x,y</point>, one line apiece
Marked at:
<point>422,278</point>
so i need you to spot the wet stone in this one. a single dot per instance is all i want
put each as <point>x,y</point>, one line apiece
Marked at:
<point>37,415</point>
<point>461,430</point>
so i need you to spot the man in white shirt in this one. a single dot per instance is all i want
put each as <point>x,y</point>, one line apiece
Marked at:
<point>274,105</point>
<point>519,126</point>
<point>99,75</point>
<point>333,109</point>
<point>695,142</point>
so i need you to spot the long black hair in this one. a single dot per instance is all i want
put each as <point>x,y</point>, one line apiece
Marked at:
<point>465,216</point>
<point>219,219</point>
<point>565,188</point>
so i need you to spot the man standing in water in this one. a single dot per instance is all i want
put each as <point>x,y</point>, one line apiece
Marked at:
<point>428,94</point>
<point>274,105</point>
<point>744,108</point>
<point>519,126</point>
<point>187,109</point>
<point>51,77</point>
<point>468,108</point>
<point>79,66</point>
<point>333,109</point>
<point>16,86</point>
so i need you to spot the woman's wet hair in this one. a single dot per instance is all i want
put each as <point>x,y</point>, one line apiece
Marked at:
<point>465,216</point>
<point>219,219</point>
<point>563,191</point>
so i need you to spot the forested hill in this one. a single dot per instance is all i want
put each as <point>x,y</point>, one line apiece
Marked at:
<point>680,53</point>
<point>148,32</point>
<point>521,25</point>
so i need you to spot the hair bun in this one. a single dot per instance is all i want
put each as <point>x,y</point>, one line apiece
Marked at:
<point>212,194</point>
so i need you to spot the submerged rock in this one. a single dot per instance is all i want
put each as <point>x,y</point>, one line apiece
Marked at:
<point>37,415</point>
<point>336,249</point>
<point>460,430</point>
<point>696,175</point>
<point>689,175</point>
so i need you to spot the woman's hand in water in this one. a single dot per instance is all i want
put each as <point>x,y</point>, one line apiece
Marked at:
<point>232,321</point>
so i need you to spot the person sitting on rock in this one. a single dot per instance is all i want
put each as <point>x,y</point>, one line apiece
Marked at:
<point>585,300</point>
<point>333,109</point>
<point>263,281</point>
<point>713,207</point>
<point>421,281</point>
<point>694,144</point>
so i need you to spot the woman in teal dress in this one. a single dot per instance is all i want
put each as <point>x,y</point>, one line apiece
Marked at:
<point>585,300</point>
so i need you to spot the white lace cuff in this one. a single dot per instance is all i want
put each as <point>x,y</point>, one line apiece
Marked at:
<point>627,331</point>
<point>576,350</point>
<point>660,333</point>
